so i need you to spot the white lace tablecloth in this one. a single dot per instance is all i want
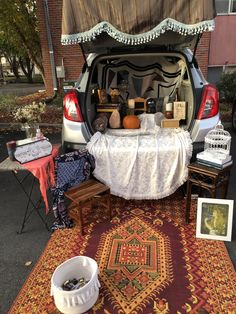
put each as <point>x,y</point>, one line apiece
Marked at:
<point>138,164</point>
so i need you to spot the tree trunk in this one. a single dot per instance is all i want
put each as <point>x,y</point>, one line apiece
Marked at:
<point>27,67</point>
<point>35,58</point>
<point>1,72</point>
<point>15,67</point>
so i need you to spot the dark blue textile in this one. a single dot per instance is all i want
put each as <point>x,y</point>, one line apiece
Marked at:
<point>70,169</point>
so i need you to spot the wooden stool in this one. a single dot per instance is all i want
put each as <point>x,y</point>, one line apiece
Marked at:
<point>207,178</point>
<point>87,191</point>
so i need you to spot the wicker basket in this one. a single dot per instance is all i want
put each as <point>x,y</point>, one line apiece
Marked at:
<point>218,140</point>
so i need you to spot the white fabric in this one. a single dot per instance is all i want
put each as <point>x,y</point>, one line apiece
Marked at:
<point>147,165</point>
<point>151,122</point>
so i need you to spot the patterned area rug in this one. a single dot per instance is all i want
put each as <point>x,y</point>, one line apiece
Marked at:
<point>149,262</point>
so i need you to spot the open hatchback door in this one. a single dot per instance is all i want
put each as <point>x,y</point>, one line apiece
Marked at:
<point>136,22</point>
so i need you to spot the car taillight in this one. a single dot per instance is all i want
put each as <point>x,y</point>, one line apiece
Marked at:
<point>71,107</point>
<point>210,103</point>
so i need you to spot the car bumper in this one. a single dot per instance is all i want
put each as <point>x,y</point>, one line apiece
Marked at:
<point>74,132</point>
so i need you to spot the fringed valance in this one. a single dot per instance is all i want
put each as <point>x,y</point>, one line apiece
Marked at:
<point>134,22</point>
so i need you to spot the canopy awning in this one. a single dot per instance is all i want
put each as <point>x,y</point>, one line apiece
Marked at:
<point>134,22</point>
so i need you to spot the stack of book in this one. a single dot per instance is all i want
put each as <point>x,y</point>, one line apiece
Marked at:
<point>215,159</point>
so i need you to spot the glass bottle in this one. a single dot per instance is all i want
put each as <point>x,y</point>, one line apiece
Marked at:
<point>169,111</point>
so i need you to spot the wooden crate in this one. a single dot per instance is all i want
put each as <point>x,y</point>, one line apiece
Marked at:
<point>170,123</point>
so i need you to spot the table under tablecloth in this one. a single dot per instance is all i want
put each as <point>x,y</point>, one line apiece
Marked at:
<point>42,169</point>
<point>141,164</point>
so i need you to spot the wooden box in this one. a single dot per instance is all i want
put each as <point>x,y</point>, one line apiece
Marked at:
<point>108,107</point>
<point>170,123</point>
<point>140,104</point>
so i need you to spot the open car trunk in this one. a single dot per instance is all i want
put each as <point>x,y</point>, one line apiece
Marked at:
<point>139,51</point>
<point>164,77</point>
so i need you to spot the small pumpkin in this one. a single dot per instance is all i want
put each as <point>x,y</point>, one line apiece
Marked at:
<point>131,122</point>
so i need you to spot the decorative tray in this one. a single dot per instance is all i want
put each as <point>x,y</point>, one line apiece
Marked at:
<point>32,149</point>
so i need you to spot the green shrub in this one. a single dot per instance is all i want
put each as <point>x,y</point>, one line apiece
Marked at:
<point>57,101</point>
<point>8,103</point>
<point>37,78</point>
<point>227,87</point>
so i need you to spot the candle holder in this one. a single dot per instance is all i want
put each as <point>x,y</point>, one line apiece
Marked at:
<point>169,114</point>
<point>11,147</point>
<point>169,111</point>
<point>131,106</point>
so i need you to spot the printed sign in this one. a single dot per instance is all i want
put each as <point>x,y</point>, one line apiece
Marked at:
<point>68,85</point>
<point>180,110</point>
<point>32,151</point>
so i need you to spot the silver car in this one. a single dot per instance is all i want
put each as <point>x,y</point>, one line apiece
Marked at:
<point>162,70</point>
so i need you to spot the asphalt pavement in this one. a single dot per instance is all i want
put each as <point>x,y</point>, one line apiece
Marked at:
<point>20,252</point>
<point>20,89</point>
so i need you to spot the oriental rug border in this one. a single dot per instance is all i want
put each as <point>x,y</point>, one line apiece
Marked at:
<point>149,260</point>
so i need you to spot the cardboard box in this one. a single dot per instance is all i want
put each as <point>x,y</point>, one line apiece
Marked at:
<point>170,123</point>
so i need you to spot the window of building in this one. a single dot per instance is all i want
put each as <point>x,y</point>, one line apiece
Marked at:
<point>225,6</point>
<point>233,6</point>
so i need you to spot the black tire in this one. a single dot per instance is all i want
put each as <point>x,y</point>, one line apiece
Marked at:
<point>234,117</point>
<point>65,149</point>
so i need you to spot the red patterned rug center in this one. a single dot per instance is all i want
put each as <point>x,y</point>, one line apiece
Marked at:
<point>132,253</point>
<point>134,262</point>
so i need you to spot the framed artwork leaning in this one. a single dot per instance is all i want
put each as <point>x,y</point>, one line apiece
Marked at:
<point>214,219</point>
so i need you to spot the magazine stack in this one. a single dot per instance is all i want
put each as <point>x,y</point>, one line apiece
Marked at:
<point>214,159</point>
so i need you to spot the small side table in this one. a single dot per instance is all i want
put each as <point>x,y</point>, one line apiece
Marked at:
<point>41,169</point>
<point>87,191</point>
<point>207,178</point>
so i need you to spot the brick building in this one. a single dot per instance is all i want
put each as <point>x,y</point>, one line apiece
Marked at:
<point>71,56</point>
<point>222,57</point>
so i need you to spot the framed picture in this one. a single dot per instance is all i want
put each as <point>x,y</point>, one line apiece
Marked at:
<point>102,96</point>
<point>214,219</point>
<point>140,104</point>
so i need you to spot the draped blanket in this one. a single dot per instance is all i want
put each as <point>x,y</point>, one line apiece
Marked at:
<point>141,165</point>
<point>70,169</point>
